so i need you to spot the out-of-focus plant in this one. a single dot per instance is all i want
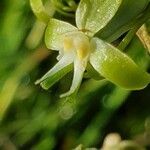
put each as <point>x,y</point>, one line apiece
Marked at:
<point>32,118</point>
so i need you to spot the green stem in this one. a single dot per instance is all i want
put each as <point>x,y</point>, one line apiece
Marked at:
<point>138,23</point>
<point>39,10</point>
<point>125,42</point>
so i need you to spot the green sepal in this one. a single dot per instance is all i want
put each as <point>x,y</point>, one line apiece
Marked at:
<point>117,67</point>
<point>51,80</point>
<point>55,31</point>
<point>93,15</point>
<point>39,10</point>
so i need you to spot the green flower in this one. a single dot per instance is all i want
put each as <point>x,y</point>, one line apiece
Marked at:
<point>78,46</point>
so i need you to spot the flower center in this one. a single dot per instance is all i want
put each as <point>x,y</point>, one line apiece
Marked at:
<point>77,42</point>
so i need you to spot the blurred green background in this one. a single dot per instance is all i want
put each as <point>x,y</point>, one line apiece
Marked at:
<point>32,118</point>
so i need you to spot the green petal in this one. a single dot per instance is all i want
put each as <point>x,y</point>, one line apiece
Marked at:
<point>51,80</point>
<point>55,32</point>
<point>117,67</point>
<point>56,73</point>
<point>93,15</point>
<point>39,10</point>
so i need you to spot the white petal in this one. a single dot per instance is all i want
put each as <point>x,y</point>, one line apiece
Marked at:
<point>79,68</point>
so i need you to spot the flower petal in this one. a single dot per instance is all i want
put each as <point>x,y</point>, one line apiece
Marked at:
<point>93,15</point>
<point>57,72</point>
<point>55,32</point>
<point>79,69</point>
<point>117,67</point>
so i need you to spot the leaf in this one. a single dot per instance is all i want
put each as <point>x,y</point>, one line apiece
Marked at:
<point>39,10</point>
<point>13,22</point>
<point>55,32</point>
<point>93,15</point>
<point>117,67</point>
<point>128,11</point>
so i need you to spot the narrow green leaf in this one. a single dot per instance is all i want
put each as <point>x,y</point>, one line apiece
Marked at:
<point>117,67</point>
<point>14,20</point>
<point>93,15</point>
<point>128,11</point>
<point>55,32</point>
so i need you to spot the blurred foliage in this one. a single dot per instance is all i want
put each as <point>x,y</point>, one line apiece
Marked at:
<point>32,118</point>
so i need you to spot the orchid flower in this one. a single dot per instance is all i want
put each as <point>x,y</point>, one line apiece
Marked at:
<point>79,46</point>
